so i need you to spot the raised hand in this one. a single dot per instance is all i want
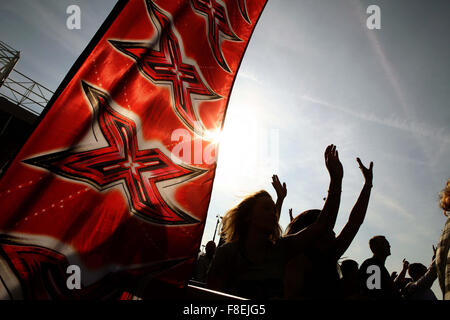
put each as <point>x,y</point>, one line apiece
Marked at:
<point>290,214</point>
<point>358,213</point>
<point>333,163</point>
<point>367,173</point>
<point>281,190</point>
<point>405,264</point>
<point>434,253</point>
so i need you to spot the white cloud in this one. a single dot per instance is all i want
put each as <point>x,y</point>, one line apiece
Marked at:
<point>415,127</point>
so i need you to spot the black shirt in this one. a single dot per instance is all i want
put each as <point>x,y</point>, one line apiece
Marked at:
<point>382,288</point>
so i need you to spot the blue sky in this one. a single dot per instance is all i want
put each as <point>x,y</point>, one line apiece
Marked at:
<point>313,74</point>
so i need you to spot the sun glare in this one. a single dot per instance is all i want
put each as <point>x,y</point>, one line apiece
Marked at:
<point>215,136</point>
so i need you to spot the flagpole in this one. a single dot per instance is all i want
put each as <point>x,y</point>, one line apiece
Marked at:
<point>217,224</point>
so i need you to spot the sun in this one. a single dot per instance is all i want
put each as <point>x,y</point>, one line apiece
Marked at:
<point>214,136</point>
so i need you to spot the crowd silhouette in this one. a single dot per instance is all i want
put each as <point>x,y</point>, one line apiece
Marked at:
<point>256,260</point>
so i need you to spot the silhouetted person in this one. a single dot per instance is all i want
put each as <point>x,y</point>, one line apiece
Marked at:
<point>204,262</point>
<point>400,280</point>
<point>313,273</point>
<point>252,260</point>
<point>376,282</point>
<point>350,280</point>
<point>422,280</point>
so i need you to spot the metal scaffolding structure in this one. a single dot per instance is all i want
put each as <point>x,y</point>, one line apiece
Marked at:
<point>17,87</point>
<point>8,59</point>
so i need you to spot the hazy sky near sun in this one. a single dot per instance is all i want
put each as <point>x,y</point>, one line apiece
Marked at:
<point>313,75</point>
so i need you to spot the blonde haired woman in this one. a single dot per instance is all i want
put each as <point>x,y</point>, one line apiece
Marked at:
<point>443,253</point>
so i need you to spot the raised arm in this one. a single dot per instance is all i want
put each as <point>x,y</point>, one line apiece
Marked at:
<point>329,212</point>
<point>358,213</point>
<point>297,242</point>
<point>281,191</point>
<point>425,282</point>
<point>398,279</point>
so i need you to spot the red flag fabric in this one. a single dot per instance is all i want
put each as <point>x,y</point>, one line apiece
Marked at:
<point>116,178</point>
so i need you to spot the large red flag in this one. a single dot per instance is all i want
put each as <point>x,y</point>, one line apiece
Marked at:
<point>116,178</point>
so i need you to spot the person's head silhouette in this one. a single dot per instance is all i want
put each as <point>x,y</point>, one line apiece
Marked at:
<point>349,269</point>
<point>380,247</point>
<point>210,249</point>
<point>256,214</point>
<point>416,271</point>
